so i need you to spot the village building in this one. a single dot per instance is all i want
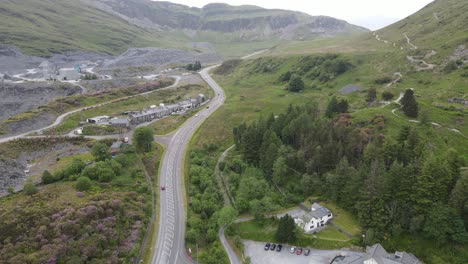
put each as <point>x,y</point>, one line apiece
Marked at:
<point>318,217</point>
<point>173,108</point>
<point>184,105</point>
<point>115,148</point>
<point>195,102</point>
<point>201,98</point>
<point>98,120</point>
<point>119,122</point>
<point>378,255</point>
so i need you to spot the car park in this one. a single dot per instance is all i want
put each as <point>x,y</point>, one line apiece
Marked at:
<point>279,247</point>
<point>267,246</point>
<point>273,246</point>
<point>299,251</point>
<point>306,252</point>
<point>292,250</point>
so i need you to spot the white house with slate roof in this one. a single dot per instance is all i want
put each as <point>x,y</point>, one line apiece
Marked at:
<point>318,216</point>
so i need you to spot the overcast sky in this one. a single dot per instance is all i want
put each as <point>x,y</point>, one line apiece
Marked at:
<point>372,14</point>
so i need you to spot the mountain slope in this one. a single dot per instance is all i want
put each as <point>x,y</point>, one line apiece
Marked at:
<point>56,26</point>
<point>243,22</point>
<point>112,26</point>
<point>442,24</point>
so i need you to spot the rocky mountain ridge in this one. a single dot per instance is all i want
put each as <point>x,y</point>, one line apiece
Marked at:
<point>245,22</point>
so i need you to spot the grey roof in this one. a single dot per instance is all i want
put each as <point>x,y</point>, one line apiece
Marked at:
<point>378,253</point>
<point>172,106</point>
<point>319,211</point>
<point>185,102</point>
<point>116,145</point>
<point>119,121</point>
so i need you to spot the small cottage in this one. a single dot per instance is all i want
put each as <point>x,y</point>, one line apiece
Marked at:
<point>318,216</point>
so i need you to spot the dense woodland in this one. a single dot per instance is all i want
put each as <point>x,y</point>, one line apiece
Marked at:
<point>395,186</point>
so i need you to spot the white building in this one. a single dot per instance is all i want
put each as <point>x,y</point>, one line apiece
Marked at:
<point>318,217</point>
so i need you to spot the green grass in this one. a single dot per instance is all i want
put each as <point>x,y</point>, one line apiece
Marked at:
<point>56,26</point>
<point>265,230</point>
<point>341,217</point>
<point>65,161</point>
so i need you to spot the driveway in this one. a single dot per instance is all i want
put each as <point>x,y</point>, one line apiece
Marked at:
<point>257,254</point>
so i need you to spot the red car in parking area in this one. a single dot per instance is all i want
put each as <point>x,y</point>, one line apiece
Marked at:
<point>299,251</point>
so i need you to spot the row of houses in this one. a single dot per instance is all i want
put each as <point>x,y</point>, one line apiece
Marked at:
<point>162,110</point>
<point>149,114</point>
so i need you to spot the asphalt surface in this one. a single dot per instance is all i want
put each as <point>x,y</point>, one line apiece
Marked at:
<point>233,258</point>
<point>258,255</point>
<point>63,116</point>
<point>170,245</point>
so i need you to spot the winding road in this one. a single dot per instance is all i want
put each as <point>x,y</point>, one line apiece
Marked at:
<point>170,244</point>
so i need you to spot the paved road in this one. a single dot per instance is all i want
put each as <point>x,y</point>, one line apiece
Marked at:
<point>63,116</point>
<point>233,258</point>
<point>170,244</point>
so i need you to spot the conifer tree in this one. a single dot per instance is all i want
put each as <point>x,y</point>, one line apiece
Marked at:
<point>409,104</point>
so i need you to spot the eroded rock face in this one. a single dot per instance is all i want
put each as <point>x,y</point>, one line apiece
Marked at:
<point>11,174</point>
<point>18,98</point>
<point>226,19</point>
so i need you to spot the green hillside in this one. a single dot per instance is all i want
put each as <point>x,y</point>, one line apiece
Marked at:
<point>56,26</point>
<point>441,25</point>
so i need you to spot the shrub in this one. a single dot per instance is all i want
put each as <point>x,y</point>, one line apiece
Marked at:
<point>105,174</point>
<point>29,187</point>
<point>451,66</point>
<point>47,177</point>
<point>387,96</point>
<point>83,184</point>
<point>383,80</point>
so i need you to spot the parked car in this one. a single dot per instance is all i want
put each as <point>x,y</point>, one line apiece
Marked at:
<point>267,246</point>
<point>306,252</point>
<point>273,246</point>
<point>292,250</point>
<point>279,247</point>
<point>299,251</point>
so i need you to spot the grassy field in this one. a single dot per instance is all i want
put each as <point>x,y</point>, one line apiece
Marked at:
<point>265,230</point>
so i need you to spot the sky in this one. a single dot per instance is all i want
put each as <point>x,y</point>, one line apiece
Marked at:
<point>372,14</point>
